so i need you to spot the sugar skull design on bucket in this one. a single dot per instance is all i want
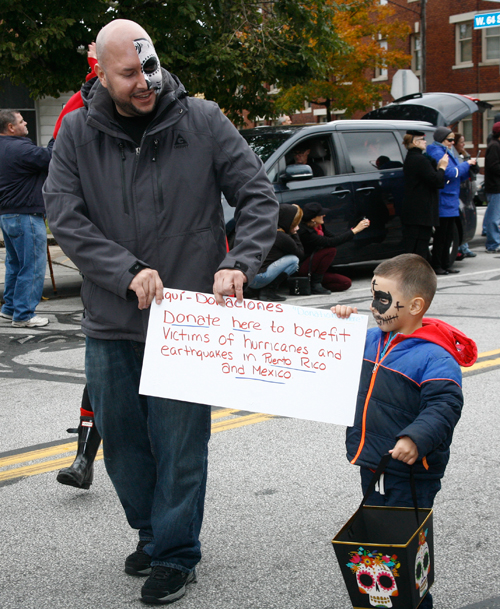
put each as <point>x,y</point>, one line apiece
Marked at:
<point>422,564</point>
<point>375,575</point>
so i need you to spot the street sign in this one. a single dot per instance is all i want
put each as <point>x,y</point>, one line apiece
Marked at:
<point>404,82</point>
<point>486,20</point>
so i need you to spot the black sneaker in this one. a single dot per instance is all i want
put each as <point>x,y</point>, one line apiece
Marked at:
<point>165,585</point>
<point>139,562</point>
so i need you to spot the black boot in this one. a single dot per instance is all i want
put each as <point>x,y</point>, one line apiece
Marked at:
<point>250,293</point>
<point>81,473</point>
<point>316,286</point>
<point>269,292</point>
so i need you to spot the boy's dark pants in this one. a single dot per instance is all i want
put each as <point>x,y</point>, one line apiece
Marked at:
<point>398,494</point>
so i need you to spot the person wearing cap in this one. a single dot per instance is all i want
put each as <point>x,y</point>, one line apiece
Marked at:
<point>423,178</point>
<point>320,250</point>
<point>492,189</point>
<point>449,198</point>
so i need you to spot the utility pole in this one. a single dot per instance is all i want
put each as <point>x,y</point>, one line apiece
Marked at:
<point>423,45</point>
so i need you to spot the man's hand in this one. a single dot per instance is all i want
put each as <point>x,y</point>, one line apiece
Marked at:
<point>147,285</point>
<point>343,311</point>
<point>228,282</point>
<point>405,450</point>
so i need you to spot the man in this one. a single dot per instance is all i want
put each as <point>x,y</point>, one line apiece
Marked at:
<point>134,199</point>
<point>301,157</point>
<point>23,169</point>
<point>492,188</point>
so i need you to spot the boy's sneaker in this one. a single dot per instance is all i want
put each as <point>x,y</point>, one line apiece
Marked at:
<point>165,585</point>
<point>34,322</point>
<point>5,315</point>
<point>139,562</point>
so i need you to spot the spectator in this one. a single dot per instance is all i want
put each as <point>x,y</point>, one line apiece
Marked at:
<point>301,157</point>
<point>284,121</point>
<point>423,178</point>
<point>320,250</point>
<point>492,189</point>
<point>123,204</point>
<point>459,143</point>
<point>449,202</point>
<point>283,258</point>
<point>23,169</point>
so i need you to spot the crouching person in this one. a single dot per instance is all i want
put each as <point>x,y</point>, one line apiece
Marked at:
<point>283,259</point>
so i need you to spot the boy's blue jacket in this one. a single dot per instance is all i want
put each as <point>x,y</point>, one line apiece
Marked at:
<point>456,172</point>
<point>415,391</point>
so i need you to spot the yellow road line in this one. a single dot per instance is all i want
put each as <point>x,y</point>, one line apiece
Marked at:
<point>55,464</point>
<point>218,414</point>
<point>488,353</point>
<point>479,365</point>
<point>34,455</point>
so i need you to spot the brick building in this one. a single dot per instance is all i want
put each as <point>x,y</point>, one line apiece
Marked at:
<point>459,60</point>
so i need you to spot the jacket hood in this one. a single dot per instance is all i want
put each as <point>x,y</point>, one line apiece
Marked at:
<point>462,348</point>
<point>286,215</point>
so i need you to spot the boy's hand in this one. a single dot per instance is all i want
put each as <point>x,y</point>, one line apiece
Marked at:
<point>405,450</point>
<point>343,311</point>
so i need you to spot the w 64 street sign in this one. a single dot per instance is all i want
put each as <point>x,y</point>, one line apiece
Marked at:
<point>486,20</point>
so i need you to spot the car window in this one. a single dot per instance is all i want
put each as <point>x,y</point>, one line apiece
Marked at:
<point>264,144</point>
<point>317,152</point>
<point>372,151</point>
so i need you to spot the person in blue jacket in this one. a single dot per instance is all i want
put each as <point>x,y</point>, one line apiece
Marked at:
<point>410,391</point>
<point>449,200</point>
<point>23,169</point>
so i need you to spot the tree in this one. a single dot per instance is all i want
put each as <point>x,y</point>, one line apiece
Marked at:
<point>361,25</point>
<point>225,49</point>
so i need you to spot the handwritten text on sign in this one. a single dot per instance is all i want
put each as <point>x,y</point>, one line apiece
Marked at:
<point>258,356</point>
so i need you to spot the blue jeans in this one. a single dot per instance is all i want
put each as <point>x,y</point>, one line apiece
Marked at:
<point>155,452</point>
<point>398,494</point>
<point>286,264</point>
<point>491,221</point>
<point>25,239</point>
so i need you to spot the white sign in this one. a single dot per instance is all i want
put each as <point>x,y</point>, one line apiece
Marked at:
<point>259,356</point>
<point>404,82</point>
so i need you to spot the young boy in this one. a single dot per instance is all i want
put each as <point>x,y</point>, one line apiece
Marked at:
<point>410,395</point>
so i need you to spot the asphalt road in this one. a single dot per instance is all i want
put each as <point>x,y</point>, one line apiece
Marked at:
<point>279,489</point>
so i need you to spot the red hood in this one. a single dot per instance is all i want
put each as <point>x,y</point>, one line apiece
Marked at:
<point>462,348</point>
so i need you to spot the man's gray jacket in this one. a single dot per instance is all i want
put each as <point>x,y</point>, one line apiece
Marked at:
<point>115,208</point>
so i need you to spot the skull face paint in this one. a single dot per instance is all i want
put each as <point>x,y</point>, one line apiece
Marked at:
<point>150,64</point>
<point>382,303</point>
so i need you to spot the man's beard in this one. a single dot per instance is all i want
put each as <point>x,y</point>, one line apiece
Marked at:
<point>128,107</point>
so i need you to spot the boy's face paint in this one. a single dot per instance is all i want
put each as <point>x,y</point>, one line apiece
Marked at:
<point>150,64</point>
<point>389,307</point>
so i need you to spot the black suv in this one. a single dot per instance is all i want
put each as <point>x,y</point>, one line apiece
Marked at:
<point>355,171</point>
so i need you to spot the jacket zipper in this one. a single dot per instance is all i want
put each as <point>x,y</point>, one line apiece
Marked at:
<point>368,396</point>
<point>156,143</point>
<point>126,208</point>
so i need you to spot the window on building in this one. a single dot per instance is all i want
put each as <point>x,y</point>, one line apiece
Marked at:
<point>416,53</point>
<point>464,42</point>
<point>381,73</point>
<point>465,127</point>
<point>491,44</point>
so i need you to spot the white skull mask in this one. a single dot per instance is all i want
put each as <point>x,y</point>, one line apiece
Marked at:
<point>150,64</point>
<point>422,568</point>
<point>379,582</point>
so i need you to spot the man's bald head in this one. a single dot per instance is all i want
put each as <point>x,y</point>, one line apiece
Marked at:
<point>113,35</point>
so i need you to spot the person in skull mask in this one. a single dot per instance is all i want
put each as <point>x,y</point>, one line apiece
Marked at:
<point>410,395</point>
<point>122,203</point>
